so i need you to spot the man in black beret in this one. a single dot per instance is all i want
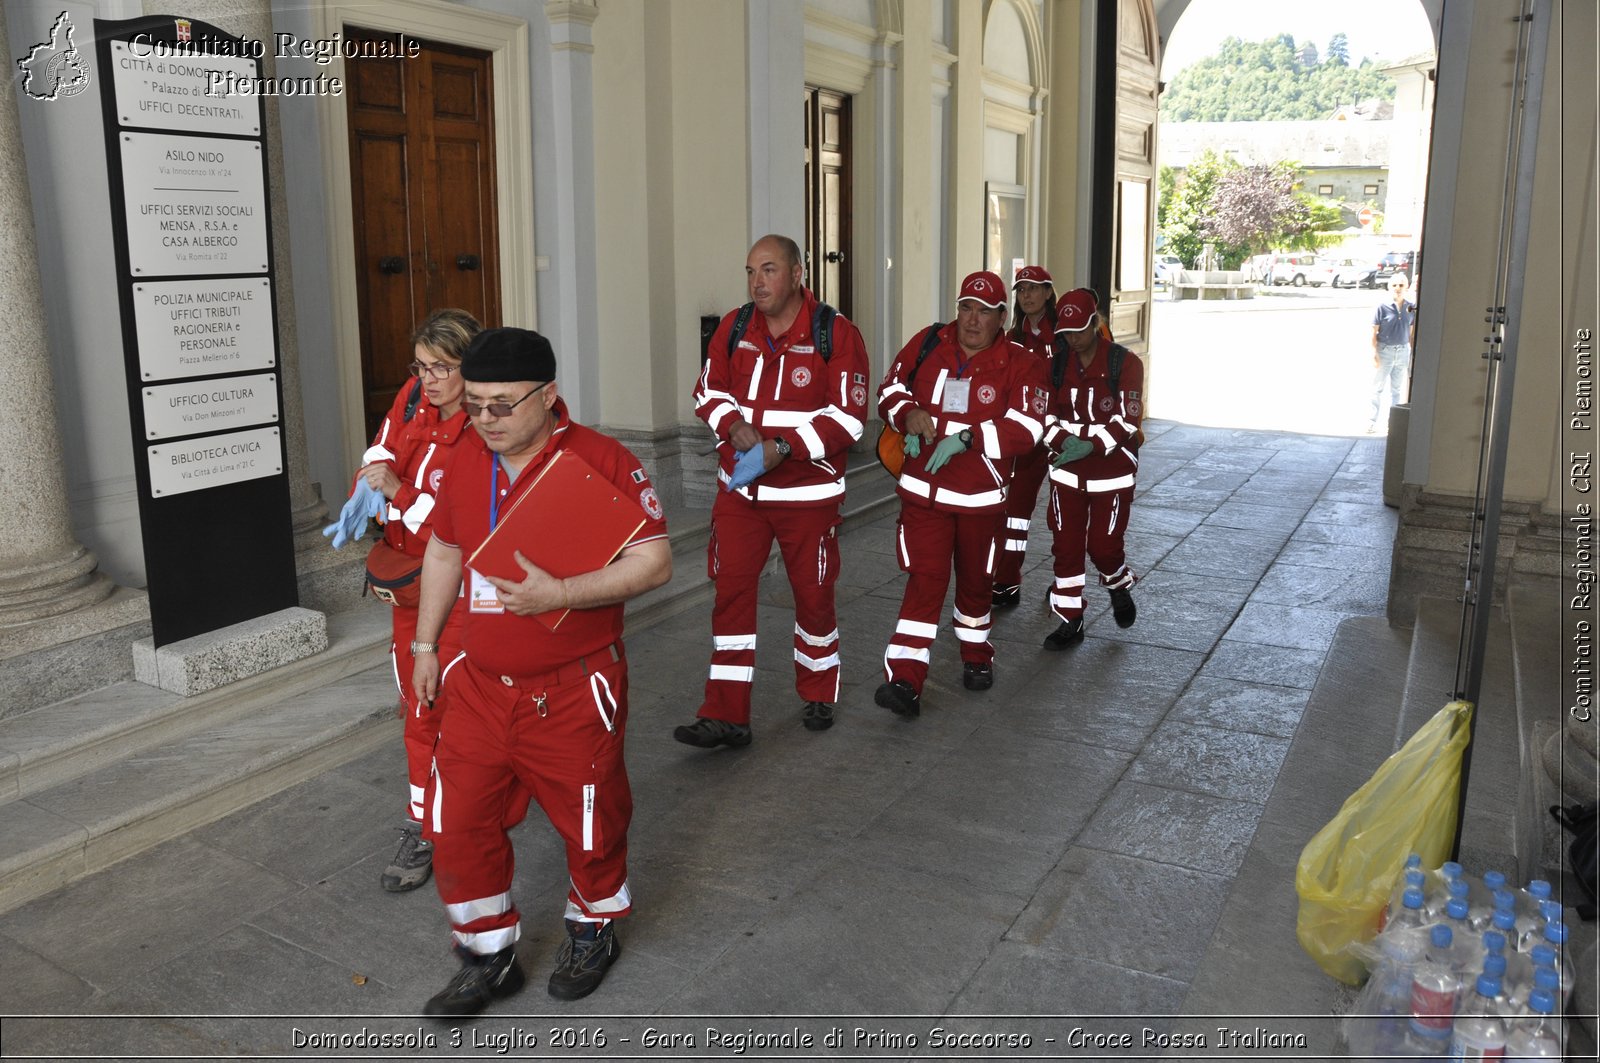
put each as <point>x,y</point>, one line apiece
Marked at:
<point>531,713</point>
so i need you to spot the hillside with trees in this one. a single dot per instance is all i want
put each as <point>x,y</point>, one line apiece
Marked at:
<point>1272,80</point>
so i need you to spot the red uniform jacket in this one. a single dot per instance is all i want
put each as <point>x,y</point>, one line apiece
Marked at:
<point>1084,407</point>
<point>781,385</point>
<point>1007,397</point>
<point>417,450</point>
<point>504,643</point>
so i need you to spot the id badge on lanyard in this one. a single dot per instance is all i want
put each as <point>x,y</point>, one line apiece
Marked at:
<point>957,394</point>
<point>482,597</point>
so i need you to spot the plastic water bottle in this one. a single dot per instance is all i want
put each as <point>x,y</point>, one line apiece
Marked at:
<point>1555,939</point>
<point>1539,1036</point>
<point>1435,988</point>
<point>1450,885</point>
<point>1533,979</point>
<point>1479,1033</point>
<point>1505,921</point>
<point>1387,997</point>
<point>1414,878</point>
<point>1494,966</point>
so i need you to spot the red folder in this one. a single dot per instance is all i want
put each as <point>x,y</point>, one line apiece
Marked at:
<point>569,521</point>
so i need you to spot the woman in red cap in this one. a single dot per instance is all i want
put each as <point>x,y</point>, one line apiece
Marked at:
<point>1093,436</point>
<point>968,403</point>
<point>1033,327</point>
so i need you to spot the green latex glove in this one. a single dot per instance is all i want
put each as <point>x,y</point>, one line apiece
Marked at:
<point>913,445</point>
<point>1073,449</point>
<point>947,448</point>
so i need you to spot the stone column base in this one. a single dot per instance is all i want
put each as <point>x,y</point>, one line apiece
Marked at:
<point>194,665</point>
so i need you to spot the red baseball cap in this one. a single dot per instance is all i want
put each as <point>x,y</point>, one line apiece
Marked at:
<point>984,287</point>
<point>1076,310</point>
<point>1033,275</point>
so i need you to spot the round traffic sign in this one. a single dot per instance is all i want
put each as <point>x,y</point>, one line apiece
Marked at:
<point>1365,217</point>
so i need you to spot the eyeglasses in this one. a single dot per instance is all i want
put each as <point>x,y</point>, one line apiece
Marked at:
<point>435,371</point>
<point>500,409</point>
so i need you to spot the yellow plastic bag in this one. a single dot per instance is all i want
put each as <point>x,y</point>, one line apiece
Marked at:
<point>1349,868</point>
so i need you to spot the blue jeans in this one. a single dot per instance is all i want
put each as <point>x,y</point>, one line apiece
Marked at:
<point>1394,365</point>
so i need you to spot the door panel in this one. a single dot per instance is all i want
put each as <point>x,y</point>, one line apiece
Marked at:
<point>422,176</point>
<point>1124,188</point>
<point>828,236</point>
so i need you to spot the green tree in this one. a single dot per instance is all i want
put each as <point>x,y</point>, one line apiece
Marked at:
<point>1268,80</point>
<point>1184,215</point>
<point>1338,50</point>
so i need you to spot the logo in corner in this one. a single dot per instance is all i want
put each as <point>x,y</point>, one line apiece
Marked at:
<point>651,504</point>
<point>54,68</point>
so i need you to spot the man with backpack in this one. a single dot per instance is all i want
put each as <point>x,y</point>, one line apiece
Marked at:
<point>784,390</point>
<point>1092,434</point>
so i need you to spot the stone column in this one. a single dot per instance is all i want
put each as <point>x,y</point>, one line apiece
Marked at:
<point>44,570</point>
<point>574,328</point>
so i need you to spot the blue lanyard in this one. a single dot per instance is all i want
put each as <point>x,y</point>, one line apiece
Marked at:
<point>494,492</point>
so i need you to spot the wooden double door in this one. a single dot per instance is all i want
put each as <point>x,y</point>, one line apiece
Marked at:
<point>827,245</point>
<point>423,189</point>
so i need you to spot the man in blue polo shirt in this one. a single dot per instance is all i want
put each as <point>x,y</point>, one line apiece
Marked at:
<point>1394,327</point>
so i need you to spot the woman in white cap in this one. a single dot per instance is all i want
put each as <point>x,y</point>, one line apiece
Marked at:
<point>1033,327</point>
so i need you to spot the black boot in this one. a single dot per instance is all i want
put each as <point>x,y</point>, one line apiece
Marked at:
<point>480,980</point>
<point>1070,633</point>
<point>586,955</point>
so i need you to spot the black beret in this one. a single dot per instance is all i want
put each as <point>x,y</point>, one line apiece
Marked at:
<point>504,355</point>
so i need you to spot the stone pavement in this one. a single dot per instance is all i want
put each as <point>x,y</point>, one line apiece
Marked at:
<point>1062,845</point>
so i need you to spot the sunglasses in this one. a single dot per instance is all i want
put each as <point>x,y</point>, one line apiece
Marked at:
<point>500,409</point>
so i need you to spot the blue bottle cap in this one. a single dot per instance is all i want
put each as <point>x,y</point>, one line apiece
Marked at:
<point>1459,887</point>
<point>1556,932</point>
<point>1494,941</point>
<point>1494,965</point>
<point>1505,899</point>
<point>1451,869</point>
<point>1546,977</point>
<point>1442,936</point>
<point>1540,889</point>
<point>1551,910</point>
<point>1456,909</point>
<point>1414,860</point>
<point>1494,880</point>
<point>1504,920</point>
<point>1543,955</point>
<point>1416,877</point>
<point>1488,985</point>
<point>1542,1002</point>
<point>1411,898</point>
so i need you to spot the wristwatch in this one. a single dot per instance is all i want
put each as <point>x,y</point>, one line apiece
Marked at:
<point>965,435</point>
<point>423,647</point>
<point>781,445</point>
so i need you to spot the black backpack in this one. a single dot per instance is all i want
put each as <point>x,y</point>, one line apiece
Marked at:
<point>1582,821</point>
<point>1114,360</point>
<point>821,328</point>
<point>413,400</point>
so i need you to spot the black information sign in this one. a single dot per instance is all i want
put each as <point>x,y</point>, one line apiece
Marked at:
<point>192,232</point>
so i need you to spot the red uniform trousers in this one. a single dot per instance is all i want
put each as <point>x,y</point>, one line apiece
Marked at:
<point>421,722</point>
<point>929,540</point>
<point>555,739</point>
<point>1021,498</point>
<point>1087,520</point>
<point>741,537</point>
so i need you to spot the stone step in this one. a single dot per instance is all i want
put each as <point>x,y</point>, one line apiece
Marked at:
<point>96,778</point>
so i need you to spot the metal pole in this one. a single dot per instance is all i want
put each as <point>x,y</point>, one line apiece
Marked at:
<point>1481,583</point>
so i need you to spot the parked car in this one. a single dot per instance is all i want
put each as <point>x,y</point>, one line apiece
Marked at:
<point>1166,268</point>
<point>1340,273</point>
<point>1287,268</point>
<point>1391,263</point>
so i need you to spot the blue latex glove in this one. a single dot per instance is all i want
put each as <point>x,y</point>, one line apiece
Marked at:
<point>943,451</point>
<point>1073,449</point>
<point>364,503</point>
<point>749,465</point>
<point>913,445</point>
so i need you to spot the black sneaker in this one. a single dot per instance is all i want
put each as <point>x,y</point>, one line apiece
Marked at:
<point>899,698</point>
<point>480,980</point>
<point>708,734</point>
<point>977,676</point>
<point>412,863</point>
<point>1070,633</point>
<point>817,716</point>
<point>1122,608</point>
<point>1006,597</point>
<point>590,949</point>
